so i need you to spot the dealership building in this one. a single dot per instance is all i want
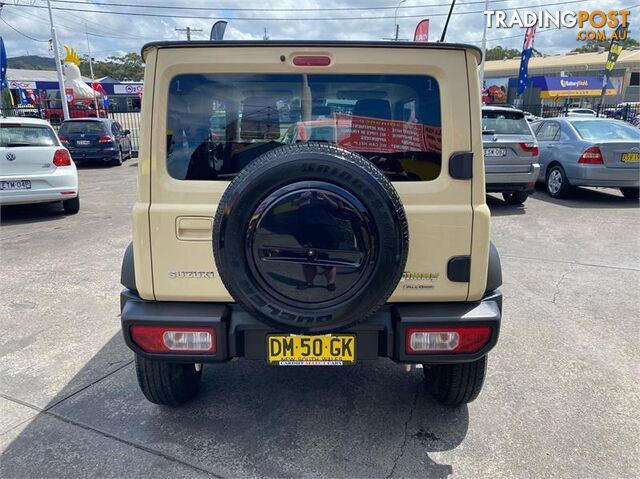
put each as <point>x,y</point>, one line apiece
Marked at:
<point>572,79</point>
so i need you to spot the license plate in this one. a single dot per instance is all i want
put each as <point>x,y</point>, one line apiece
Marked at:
<point>15,185</point>
<point>83,142</point>
<point>630,157</point>
<point>495,152</point>
<point>320,350</point>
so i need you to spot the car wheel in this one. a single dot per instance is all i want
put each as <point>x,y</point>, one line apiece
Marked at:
<point>72,205</point>
<point>294,272</point>
<point>455,384</point>
<point>515,197</point>
<point>118,160</point>
<point>557,182</point>
<point>630,193</point>
<point>168,384</point>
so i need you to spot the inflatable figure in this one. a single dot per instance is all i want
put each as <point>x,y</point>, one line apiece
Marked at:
<point>73,78</point>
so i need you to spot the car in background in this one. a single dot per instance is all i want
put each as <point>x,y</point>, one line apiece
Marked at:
<point>96,139</point>
<point>581,112</point>
<point>510,153</point>
<point>585,151</point>
<point>530,117</point>
<point>34,166</point>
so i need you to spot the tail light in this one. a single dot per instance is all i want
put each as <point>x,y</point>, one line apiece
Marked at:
<point>105,139</point>
<point>591,156</point>
<point>63,139</point>
<point>311,61</point>
<point>530,148</point>
<point>62,157</point>
<point>447,340</point>
<point>167,339</point>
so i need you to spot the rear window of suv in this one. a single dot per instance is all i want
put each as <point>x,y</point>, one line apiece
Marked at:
<point>505,122</point>
<point>90,127</point>
<point>219,123</point>
<point>13,136</point>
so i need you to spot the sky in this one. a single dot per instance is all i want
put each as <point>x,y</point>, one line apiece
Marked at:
<point>111,34</point>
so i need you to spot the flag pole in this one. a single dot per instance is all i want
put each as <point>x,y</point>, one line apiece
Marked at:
<point>56,52</point>
<point>95,99</point>
<point>484,48</point>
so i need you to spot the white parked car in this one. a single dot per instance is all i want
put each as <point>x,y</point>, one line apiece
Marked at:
<point>581,112</point>
<point>34,166</point>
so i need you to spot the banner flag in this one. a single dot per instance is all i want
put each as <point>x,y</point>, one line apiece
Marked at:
<point>527,51</point>
<point>422,31</point>
<point>217,30</point>
<point>614,52</point>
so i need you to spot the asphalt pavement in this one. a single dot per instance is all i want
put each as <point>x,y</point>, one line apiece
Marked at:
<point>561,398</point>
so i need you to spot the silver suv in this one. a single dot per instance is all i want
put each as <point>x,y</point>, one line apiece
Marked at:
<point>510,153</point>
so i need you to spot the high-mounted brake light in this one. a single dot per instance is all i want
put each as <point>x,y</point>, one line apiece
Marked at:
<point>105,139</point>
<point>62,157</point>
<point>530,148</point>
<point>167,339</point>
<point>591,156</point>
<point>447,340</point>
<point>311,61</point>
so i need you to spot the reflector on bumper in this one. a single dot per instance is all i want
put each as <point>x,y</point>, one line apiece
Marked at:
<point>166,339</point>
<point>447,340</point>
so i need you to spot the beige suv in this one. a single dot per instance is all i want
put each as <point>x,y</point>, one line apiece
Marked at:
<point>310,204</point>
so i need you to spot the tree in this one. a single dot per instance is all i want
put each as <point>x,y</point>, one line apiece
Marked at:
<point>499,53</point>
<point>595,45</point>
<point>126,68</point>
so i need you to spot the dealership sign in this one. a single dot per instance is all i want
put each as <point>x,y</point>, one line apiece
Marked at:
<point>126,89</point>
<point>553,87</point>
<point>26,85</point>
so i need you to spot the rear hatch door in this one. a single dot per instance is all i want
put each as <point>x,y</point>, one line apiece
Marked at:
<point>26,149</point>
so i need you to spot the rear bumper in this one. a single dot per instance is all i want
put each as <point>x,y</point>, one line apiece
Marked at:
<point>240,335</point>
<point>497,181</point>
<point>599,175</point>
<point>107,154</point>
<point>56,186</point>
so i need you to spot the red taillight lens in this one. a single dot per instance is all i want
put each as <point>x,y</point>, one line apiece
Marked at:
<point>63,139</point>
<point>591,156</point>
<point>447,340</point>
<point>105,139</point>
<point>168,339</point>
<point>62,157</point>
<point>530,148</point>
<point>311,61</point>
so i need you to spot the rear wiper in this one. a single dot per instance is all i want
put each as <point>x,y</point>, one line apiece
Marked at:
<point>10,145</point>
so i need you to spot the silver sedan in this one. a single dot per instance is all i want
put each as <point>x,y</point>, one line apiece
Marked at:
<point>587,151</point>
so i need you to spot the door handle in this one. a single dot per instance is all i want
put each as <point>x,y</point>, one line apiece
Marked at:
<point>194,228</point>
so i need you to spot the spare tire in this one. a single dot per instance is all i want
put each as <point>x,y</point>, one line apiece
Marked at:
<point>310,238</point>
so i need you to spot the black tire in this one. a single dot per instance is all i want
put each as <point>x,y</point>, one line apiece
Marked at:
<point>168,384</point>
<point>557,183</point>
<point>72,205</point>
<point>455,384</point>
<point>515,197</point>
<point>298,169</point>
<point>630,193</point>
<point>118,161</point>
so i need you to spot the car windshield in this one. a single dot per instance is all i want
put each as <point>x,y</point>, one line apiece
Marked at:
<point>91,127</point>
<point>606,130</point>
<point>505,122</point>
<point>26,135</point>
<point>218,123</point>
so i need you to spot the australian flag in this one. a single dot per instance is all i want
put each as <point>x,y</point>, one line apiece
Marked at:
<point>527,51</point>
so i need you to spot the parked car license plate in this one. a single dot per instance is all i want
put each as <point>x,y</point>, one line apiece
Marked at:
<point>83,142</point>
<point>630,157</point>
<point>15,185</point>
<point>320,350</point>
<point>495,152</point>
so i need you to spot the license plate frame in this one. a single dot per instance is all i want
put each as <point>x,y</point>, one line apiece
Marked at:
<point>10,185</point>
<point>311,350</point>
<point>83,142</point>
<point>630,157</point>
<point>495,152</point>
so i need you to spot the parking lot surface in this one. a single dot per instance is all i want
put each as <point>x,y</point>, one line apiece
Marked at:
<point>560,400</point>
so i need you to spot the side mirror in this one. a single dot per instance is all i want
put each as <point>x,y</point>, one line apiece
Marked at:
<point>126,132</point>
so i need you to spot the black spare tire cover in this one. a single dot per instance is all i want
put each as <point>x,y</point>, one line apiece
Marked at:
<point>310,238</point>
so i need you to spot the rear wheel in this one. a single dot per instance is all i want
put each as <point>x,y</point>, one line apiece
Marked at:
<point>169,384</point>
<point>456,384</point>
<point>118,160</point>
<point>72,205</point>
<point>515,197</point>
<point>630,193</point>
<point>557,182</point>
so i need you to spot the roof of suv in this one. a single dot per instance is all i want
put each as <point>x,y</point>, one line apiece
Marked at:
<point>313,43</point>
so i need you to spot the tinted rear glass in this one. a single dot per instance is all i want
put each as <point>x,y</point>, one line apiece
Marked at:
<point>505,122</point>
<point>606,130</point>
<point>26,135</point>
<point>71,127</point>
<point>219,123</point>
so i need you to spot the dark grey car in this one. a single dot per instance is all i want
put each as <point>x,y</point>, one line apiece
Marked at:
<point>510,153</point>
<point>587,151</point>
<point>96,139</point>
